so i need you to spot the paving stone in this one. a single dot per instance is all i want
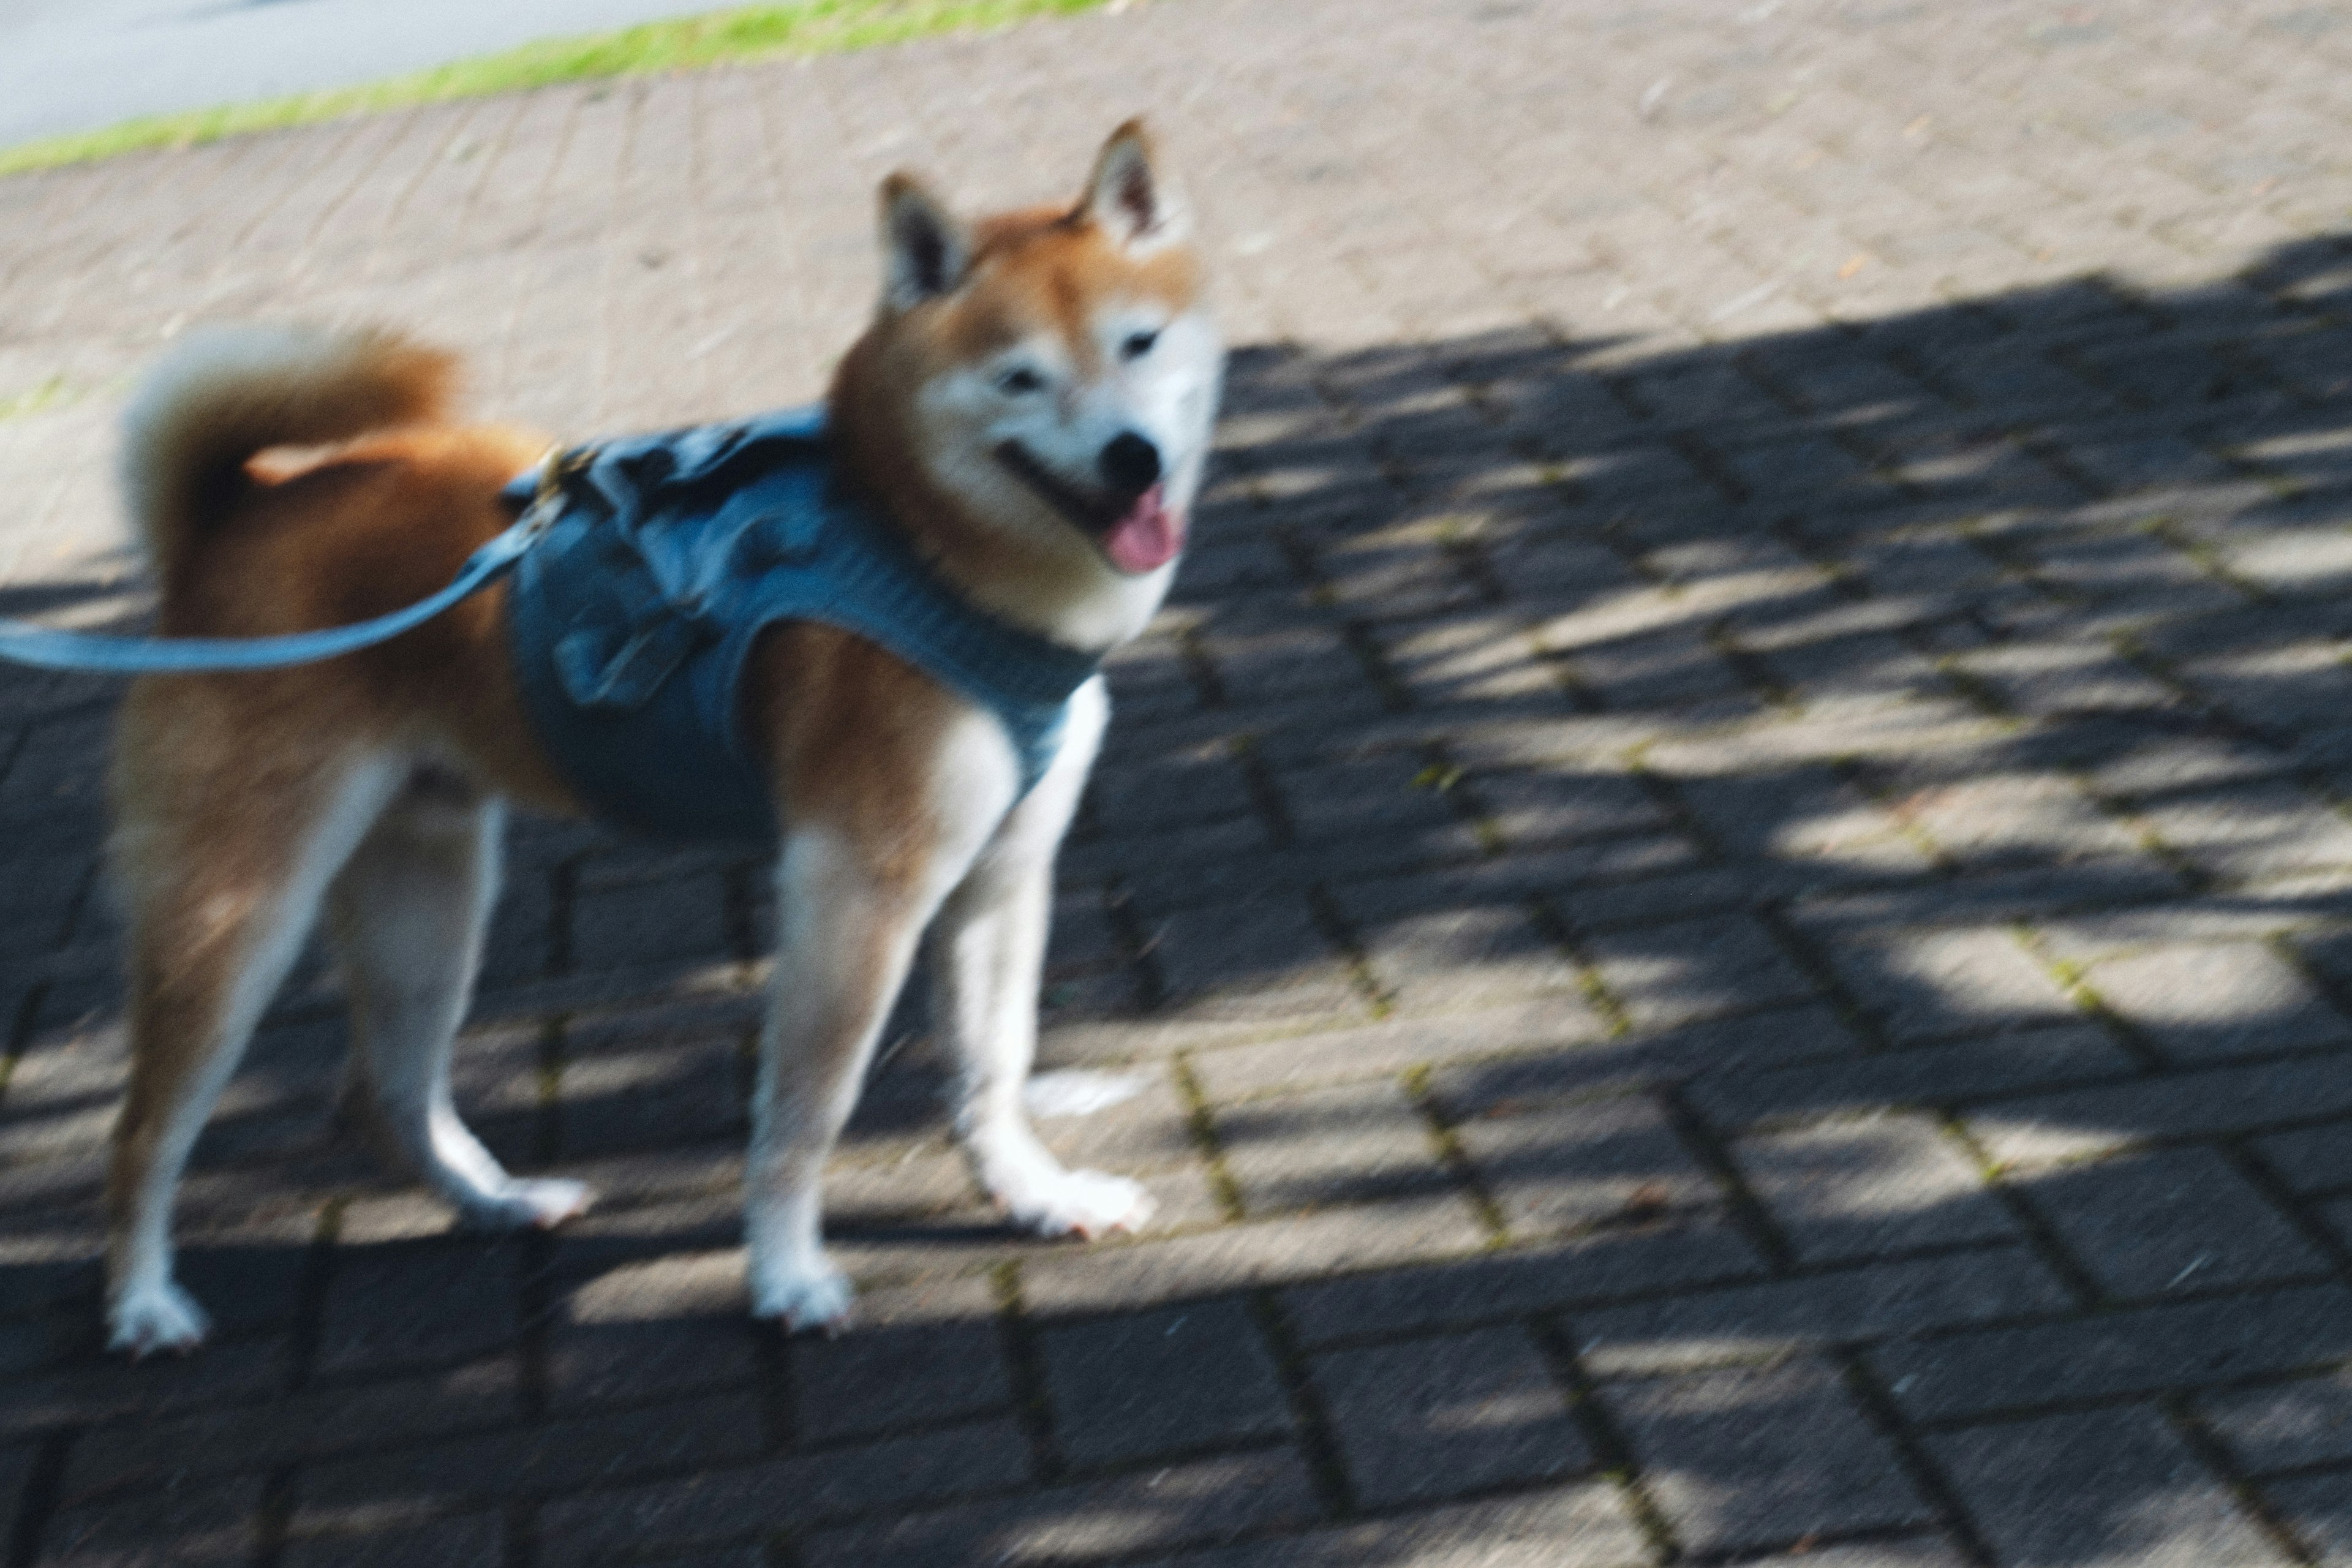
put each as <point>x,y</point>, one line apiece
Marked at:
<point>715,1503</point>
<point>2318,1513</point>
<point>920,1356</point>
<point>1741,1321</point>
<point>1275,1252</point>
<point>1129,1388</point>
<point>2140,1352</point>
<point>1430,1418</point>
<point>2101,1487</point>
<point>2182,1218</point>
<point>1851,1189</point>
<point>1593,1268</point>
<point>1747,1457</point>
<point>1352,1145</point>
<point>200,1525</point>
<point>1458,958</point>
<point>1952,1074</point>
<point>477,1541</point>
<point>1204,1504</point>
<point>2209,1003</point>
<point>2081,1122</point>
<point>1262,961</point>
<point>129,1457</point>
<point>414,1303</point>
<point>2306,1422</point>
<point>1933,985</point>
<point>1597,1162</point>
<point>1670,975</point>
<point>2311,1158</point>
<point>595,1452</point>
<point>1579,1527</point>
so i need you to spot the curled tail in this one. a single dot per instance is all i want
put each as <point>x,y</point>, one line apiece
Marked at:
<point>223,393</point>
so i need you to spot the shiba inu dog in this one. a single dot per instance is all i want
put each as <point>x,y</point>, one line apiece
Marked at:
<point>1027,417</point>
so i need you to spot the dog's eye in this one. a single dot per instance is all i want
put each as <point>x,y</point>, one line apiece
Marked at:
<point>1138,345</point>
<point>1019,380</point>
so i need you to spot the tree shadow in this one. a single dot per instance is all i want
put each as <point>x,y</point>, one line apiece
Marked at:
<point>1788,892</point>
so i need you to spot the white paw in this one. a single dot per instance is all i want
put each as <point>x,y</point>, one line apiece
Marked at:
<point>809,1298</point>
<point>527,1204</point>
<point>1085,1202</point>
<point>159,1316</point>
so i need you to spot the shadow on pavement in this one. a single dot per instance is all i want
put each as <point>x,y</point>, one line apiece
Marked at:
<point>1607,855</point>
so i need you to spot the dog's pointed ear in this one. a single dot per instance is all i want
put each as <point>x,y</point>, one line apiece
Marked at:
<point>1136,203</point>
<point>925,249</point>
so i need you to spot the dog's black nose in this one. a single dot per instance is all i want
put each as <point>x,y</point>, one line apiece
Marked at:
<point>1130,464</point>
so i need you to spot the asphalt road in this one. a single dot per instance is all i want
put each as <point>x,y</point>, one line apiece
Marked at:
<point>78,65</point>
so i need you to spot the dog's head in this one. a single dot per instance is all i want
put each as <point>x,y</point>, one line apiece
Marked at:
<point>1055,371</point>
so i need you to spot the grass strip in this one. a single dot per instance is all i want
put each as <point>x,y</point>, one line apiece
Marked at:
<point>720,38</point>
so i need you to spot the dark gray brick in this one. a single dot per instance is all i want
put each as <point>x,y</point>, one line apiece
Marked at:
<point>2176,1219</point>
<point>127,1457</point>
<point>1275,1252</point>
<point>1159,1510</point>
<point>1671,974</point>
<point>1349,1145</point>
<point>2306,1422</point>
<point>1952,1075</point>
<point>1934,985</point>
<point>1848,1189</point>
<point>2141,1352</point>
<point>476,1540</point>
<point>1567,1166</point>
<point>409,1303</point>
<point>1590,1269</point>
<point>199,1525</point>
<point>715,1503</point>
<point>589,1452</point>
<point>2311,1158</point>
<point>2102,1486</point>
<point>1429,1418</point>
<point>1741,1321</point>
<point>2209,1003</point>
<point>1746,1458</point>
<point>1579,1527</point>
<point>897,1374</point>
<point>2319,1510</point>
<point>2178,1105</point>
<point>1129,1388</point>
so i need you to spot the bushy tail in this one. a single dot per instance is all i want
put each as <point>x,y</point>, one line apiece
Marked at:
<point>222,395</point>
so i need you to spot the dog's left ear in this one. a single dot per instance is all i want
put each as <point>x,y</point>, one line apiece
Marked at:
<point>1137,204</point>
<point>925,249</point>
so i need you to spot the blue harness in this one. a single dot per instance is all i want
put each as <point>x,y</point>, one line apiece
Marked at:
<point>662,560</point>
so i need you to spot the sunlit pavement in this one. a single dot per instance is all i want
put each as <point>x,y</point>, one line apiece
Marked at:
<point>1725,881</point>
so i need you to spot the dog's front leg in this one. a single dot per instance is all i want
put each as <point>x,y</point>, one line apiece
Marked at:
<point>846,928</point>
<point>988,956</point>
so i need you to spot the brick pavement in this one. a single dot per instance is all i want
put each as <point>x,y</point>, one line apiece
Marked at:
<point>1730,873</point>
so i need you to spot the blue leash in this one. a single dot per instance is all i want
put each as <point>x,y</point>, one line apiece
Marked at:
<point>25,642</point>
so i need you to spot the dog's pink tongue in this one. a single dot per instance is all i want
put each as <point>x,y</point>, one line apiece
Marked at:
<point>1147,537</point>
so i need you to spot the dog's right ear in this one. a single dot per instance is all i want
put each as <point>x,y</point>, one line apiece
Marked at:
<point>925,250</point>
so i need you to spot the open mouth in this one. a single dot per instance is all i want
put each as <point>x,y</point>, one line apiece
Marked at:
<point>1136,536</point>
<point>1093,513</point>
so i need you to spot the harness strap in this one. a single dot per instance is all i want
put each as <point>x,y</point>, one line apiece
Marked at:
<point>26,642</point>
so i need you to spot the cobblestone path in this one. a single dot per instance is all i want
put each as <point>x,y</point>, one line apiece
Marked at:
<point>1728,877</point>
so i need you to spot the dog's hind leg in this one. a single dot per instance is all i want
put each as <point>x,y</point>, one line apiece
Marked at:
<point>408,914</point>
<point>987,959</point>
<point>222,868</point>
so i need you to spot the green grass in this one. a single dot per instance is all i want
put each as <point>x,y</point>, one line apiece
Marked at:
<point>749,33</point>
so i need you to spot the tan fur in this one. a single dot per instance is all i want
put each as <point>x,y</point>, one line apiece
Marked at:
<point>223,396</point>
<point>290,482</point>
